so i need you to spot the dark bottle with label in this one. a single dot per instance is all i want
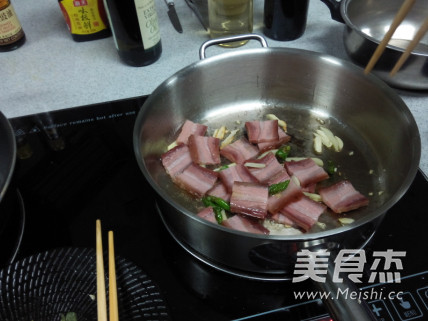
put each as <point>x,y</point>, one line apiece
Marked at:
<point>86,19</point>
<point>285,19</point>
<point>135,28</point>
<point>12,35</point>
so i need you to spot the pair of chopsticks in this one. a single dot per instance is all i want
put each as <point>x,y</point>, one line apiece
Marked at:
<point>101,289</point>
<point>401,14</point>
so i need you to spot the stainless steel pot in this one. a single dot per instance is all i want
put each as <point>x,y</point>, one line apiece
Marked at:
<point>7,154</point>
<point>368,21</point>
<point>303,88</point>
<point>380,157</point>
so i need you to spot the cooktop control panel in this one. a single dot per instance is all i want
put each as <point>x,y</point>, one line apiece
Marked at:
<point>398,301</point>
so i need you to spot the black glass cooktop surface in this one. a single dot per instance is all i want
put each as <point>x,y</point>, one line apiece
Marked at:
<point>77,165</point>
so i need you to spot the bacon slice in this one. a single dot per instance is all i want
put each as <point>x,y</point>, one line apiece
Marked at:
<point>237,173</point>
<point>219,190</point>
<point>306,171</point>
<point>277,201</point>
<point>239,151</point>
<point>208,214</point>
<point>304,212</point>
<point>343,197</point>
<point>272,173</point>
<point>283,138</point>
<point>261,131</point>
<point>282,219</point>
<point>249,199</point>
<point>204,150</point>
<point>176,160</point>
<point>196,179</point>
<point>244,224</point>
<point>311,188</point>
<point>190,128</point>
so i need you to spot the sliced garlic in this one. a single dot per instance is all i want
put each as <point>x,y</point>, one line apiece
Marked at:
<point>317,160</point>
<point>346,220</point>
<point>318,144</point>
<point>255,165</point>
<point>295,180</point>
<point>220,132</point>
<point>218,169</point>
<point>172,145</point>
<point>324,138</point>
<point>339,144</point>
<point>281,123</point>
<point>313,196</point>
<point>273,151</point>
<point>229,138</point>
<point>321,225</point>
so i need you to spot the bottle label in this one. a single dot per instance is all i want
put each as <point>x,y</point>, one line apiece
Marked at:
<point>82,16</point>
<point>10,28</point>
<point>148,21</point>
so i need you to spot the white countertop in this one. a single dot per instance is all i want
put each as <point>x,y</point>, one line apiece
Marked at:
<point>52,72</point>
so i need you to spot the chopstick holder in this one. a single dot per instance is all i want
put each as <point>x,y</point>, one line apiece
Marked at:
<point>399,17</point>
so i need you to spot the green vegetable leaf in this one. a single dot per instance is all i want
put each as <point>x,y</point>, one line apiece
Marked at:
<point>214,201</point>
<point>219,214</point>
<point>283,152</point>
<point>331,167</point>
<point>279,187</point>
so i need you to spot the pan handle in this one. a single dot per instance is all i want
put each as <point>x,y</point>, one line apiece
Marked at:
<point>218,41</point>
<point>340,307</point>
<point>334,7</point>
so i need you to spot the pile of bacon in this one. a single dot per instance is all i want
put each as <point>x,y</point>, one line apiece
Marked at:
<point>195,164</point>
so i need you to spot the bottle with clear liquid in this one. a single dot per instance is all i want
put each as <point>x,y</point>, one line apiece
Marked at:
<point>11,33</point>
<point>135,28</point>
<point>229,18</point>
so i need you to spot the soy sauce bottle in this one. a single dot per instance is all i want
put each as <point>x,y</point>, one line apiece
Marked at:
<point>86,19</point>
<point>285,20</point>
<point>136,32</point>
<point>12,35</point>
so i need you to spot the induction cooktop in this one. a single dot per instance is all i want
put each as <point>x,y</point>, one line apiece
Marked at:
<point>77,165</point>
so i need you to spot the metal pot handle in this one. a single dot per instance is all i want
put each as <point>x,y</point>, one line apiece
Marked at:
<point>334,7</point>
<point>218,41</point>
<point>340,307</point>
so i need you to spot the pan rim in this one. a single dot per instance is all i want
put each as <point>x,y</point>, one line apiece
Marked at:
<point>9,141</point>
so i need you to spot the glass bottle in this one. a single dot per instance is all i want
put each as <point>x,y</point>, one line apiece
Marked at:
<point>135,28</point>
<point>285,19</point>
<point>12,35</point>
<point>86,19</point>
<point>229,18</point>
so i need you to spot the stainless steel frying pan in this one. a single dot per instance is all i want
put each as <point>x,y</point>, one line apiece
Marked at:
<point>380,157</point>
<point>7,154</point>
<point>368,21</point>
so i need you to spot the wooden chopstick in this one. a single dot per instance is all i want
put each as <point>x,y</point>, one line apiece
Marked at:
<point>114,313</point>
<point>101,288</point>
<point>405,8</point>
<point>421,32</point>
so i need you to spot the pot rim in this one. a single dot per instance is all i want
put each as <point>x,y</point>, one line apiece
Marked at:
<point>344,13</point>
<point>394,198</point>
<point>10,146</point>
